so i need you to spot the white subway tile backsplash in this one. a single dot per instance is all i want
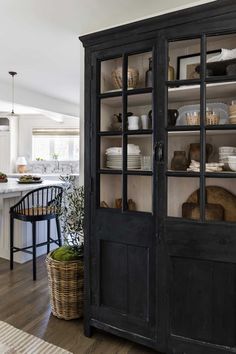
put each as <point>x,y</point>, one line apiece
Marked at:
<point>65,167</point>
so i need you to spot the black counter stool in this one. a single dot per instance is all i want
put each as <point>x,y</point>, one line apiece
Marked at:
<point>38,205</point>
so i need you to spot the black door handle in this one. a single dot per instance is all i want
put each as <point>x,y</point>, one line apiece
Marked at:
<point>159,151</point>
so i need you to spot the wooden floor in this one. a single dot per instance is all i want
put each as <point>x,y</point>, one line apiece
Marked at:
<point>25,305</point>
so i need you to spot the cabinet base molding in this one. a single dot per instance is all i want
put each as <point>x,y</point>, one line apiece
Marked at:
<point>125,334</point>
<point>182,345</point>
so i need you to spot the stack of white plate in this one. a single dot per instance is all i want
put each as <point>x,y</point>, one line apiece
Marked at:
<point>224,153</point>
<point>115,162</point>
<point>114,157</point>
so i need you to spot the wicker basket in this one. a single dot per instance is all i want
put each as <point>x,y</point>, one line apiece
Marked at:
<point>193,120</point>
<point>132,78</point>
<point>212,119</point>
<point>66,280</point>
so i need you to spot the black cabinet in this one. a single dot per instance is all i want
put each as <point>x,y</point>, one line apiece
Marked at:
<point>160,180</point>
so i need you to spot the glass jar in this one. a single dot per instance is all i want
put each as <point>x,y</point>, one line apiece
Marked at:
<point>148,78</point>
<point>171,72</point>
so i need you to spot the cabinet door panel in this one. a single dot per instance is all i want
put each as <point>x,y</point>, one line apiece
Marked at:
<point>113,275</point>
<point>124,263</point>
<point>202,301</point>
<point>124,282</point>
<point>5,158</point>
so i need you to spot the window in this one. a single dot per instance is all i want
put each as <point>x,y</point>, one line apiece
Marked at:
<point>57,144</point>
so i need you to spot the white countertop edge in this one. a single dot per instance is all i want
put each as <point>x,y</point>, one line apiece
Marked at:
<point>13,186</point>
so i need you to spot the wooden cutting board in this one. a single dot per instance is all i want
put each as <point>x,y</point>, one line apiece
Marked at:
<point>218,195</point>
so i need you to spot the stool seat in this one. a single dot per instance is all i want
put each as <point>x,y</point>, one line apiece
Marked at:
<point>41,204</point>
<point>36,211</point>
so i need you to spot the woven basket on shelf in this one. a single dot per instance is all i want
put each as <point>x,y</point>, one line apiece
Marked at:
<point>132,78</point>
<point>212,119</point>
<point>66,280</point>
<point>193,120</point>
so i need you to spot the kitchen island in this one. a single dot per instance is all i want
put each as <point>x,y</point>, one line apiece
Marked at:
<point>10,193</point>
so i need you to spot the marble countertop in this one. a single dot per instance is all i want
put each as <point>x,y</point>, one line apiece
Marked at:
<point>45,175</point>
<point>13,186</point>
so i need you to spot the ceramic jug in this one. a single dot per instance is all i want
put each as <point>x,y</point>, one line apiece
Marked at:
<point>172,117</point>
<point>195,152</point>
<point>179,162</point>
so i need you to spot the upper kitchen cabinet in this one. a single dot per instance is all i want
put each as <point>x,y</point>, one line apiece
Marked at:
<point>8,143</point>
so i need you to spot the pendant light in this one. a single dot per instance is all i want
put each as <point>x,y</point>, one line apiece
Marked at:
<point>13,73</point>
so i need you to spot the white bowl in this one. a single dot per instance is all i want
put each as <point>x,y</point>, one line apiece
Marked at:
<point>232,166</point>
<point>227,153</point>
<point>226,149</point>
<point>232,159</point>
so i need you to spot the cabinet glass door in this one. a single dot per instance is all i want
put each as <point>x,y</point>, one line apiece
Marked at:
<point>200,124</point>
<point>201,190</point>
<point>124,133</point>
<point>123,237</point>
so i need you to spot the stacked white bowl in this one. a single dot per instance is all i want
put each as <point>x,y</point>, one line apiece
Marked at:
<point>232,162</point>
<point>226,152</point>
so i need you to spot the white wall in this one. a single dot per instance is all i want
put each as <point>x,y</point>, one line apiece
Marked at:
<point>24,96</point>
<point>26,125</point>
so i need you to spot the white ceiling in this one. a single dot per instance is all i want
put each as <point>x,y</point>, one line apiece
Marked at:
<point>39,40</point>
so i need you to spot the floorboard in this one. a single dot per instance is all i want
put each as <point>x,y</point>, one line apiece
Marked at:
<point>25,305</point>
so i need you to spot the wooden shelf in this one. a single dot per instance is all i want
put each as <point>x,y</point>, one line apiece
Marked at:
<point>171,173</point>
<point>139,133</point>
<point>215,90</point>
<point>130,134</point>
<point>137,97</point>
<point>109,171</point>
<point>111,134</point>
<point>223,174</point>
<point>178,84</point>
<point>137,172</point>
<point>217,130</point>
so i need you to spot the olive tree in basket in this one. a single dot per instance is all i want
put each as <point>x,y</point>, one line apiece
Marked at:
<point>65,264</point>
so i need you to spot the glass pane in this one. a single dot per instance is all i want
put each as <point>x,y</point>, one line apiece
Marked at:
<point>139,152</point>
<point>139,112</point>
<point>111,153</point>
<point>110,191</point>
<point>220,199</point>
<point>221,62</point>
<point>184,151</point>
<point>111,75</point>
<point>183,106</point>
<point>223,146</point>
<point>184,59</point>
<point>139,70</point>
<point>111,114</point>
<point>180,204</point>
<point>221,103</point>
<point>139,193</point>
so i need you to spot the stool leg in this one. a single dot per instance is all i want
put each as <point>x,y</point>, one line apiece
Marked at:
<point>11,242</point>
<point>48,235</point>
<point>34,248</point>
<point>58,231</point>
